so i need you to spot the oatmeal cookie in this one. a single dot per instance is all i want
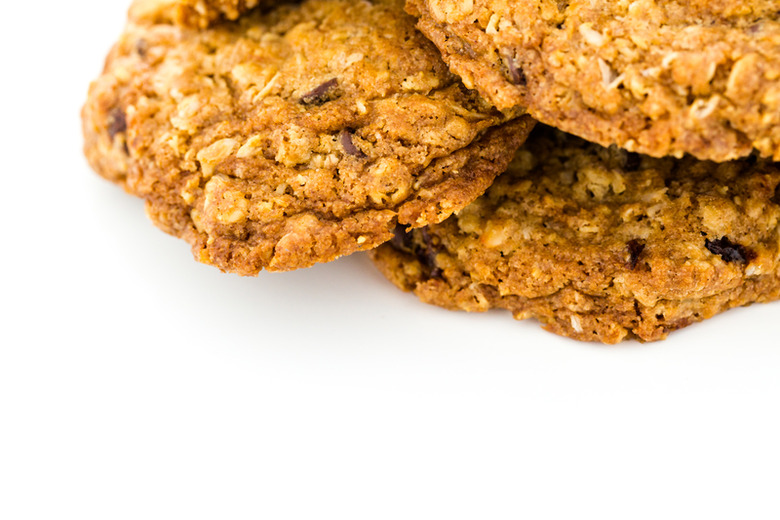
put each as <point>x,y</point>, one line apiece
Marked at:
<point>293,137</point>
<point>192,13</point>
<point>600,244</point>
<point>658,77</point>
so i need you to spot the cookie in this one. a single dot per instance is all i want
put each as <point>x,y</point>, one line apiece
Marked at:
<point>657,77</point>
<point>293,137</point>
<point>600,244</point>
<point>191,13</point>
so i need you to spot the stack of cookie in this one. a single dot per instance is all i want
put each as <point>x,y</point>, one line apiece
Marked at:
<point>277,136</point>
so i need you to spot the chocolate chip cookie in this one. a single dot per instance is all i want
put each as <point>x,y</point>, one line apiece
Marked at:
<point>601,244</point>
<point>658,77</point>
<point>295,136</point>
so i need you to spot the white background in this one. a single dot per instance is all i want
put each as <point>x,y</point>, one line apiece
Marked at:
<point>136,383</point>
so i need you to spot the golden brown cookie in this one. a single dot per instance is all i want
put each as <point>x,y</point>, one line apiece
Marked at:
<point>658,77</point>
<point>292,137</point>
<point>191,13</point>
<point>600,244</point>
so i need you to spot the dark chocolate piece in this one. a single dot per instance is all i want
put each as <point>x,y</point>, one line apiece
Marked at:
<point>428,256</point>
<point>425,253</point>
<point>117,123</point>
<point>728,250</point>
<point>345,138</point>
<point>635,248</point>
<point>320,94</point>
<point>402,240</point>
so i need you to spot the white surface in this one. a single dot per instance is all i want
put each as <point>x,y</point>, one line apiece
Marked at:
<point>135,383</point>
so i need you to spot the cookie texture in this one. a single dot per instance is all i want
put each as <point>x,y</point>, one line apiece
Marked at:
<point>657,77</point>
<point>191,13</point>
<point>600,244</point>
<point>292,137</point>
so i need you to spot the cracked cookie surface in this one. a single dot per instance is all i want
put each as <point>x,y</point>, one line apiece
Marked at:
<point>600,244</point>
<point>292,137</point>
<point>657,77</point>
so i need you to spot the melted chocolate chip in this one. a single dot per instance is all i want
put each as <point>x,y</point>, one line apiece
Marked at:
<point>635,249</point>
<point>320,94</point>
<point>116,123</point>
<point>401,241</point>
<point>515,72</point>
<point>425,253</point>
<point>728,250</point>
<point>345,138</point>
<point>428,256</point>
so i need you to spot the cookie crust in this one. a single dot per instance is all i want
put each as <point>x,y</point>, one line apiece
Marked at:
<point>191,13</point>
<point>600,244</point>
<point>292,137</point>
<point>656,77</point>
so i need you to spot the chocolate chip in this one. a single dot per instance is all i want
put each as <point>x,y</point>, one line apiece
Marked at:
<point>345,138</point>
<point>116,123</point>
<point>142,47</point>
<point>631,161</point>
<point>402,240</point>
<point>635,248</point>
<point>426,252</point>
<point>728,250</point>
<point>319,94</point>
<point>515,72</point>
<point>428,256</point>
